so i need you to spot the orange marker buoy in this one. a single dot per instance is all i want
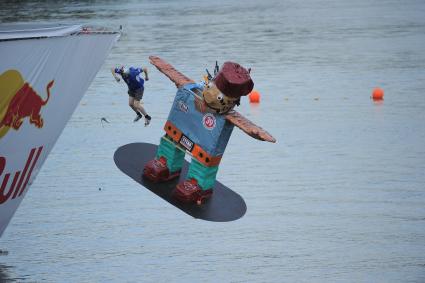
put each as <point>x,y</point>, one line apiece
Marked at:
<point>254,97</point>
<point>377,94</point>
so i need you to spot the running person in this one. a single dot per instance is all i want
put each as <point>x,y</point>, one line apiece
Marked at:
<point>133,78</point>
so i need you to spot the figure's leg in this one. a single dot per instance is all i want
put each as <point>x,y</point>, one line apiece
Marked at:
<point>137,105</point>
<point>139,108</point>
<point>167,163</point>
<point>131,104</point>
<point>199,183</point>
<point>205,176</point>
<point>169,151</point>
<point>134,103</point>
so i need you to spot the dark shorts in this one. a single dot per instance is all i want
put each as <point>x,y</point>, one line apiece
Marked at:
<point>136,94</point>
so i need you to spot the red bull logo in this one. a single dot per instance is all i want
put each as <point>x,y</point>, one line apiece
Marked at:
<point>19,181</point>
<point>19,101</point>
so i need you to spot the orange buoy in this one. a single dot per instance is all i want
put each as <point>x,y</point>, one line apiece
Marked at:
<point>254,97</point>
<point>377,94</point>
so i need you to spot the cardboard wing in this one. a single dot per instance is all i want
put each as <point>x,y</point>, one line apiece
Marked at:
<point>175,76</point>
<point>249,127</point>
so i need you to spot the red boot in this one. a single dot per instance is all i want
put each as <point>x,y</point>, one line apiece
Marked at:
<point>189,191</point>
<point>156,171</point>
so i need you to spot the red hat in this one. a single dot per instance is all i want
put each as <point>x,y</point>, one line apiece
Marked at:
<point>233,80</point>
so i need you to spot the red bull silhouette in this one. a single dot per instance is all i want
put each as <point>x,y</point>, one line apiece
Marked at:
<point>19,101</point>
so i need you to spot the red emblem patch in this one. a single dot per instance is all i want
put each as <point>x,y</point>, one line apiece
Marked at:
<point>209,121</point>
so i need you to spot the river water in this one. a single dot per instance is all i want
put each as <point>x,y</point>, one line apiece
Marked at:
<point>339,198</point>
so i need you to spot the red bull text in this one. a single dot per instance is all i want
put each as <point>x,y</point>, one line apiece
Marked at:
<point>19,179</point>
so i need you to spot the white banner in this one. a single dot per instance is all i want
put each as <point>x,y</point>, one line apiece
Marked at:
<point>41,83</point>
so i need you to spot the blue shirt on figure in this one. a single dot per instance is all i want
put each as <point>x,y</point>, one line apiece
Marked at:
<point>132,77</point>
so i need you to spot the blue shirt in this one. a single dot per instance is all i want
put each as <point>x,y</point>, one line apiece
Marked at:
<point>133,78</point>
<point>210,131</point>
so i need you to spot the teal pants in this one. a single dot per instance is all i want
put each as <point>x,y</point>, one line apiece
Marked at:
<point>205,176</point>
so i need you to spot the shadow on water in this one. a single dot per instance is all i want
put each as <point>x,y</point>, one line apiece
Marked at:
<point>4,273</point>
<point>7,270</point>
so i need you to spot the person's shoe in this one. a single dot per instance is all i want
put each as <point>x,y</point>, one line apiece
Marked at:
<point>137,118</point>
<point>147,120</point>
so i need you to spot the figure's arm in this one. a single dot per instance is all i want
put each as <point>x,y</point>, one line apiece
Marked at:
<point>175,76</point>
<point>115,74</point>
<point>248,127</point>
<point>145,70</point>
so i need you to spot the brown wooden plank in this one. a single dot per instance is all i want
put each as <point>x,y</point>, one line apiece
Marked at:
<point>248,127</point>
<point>167,69</point>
